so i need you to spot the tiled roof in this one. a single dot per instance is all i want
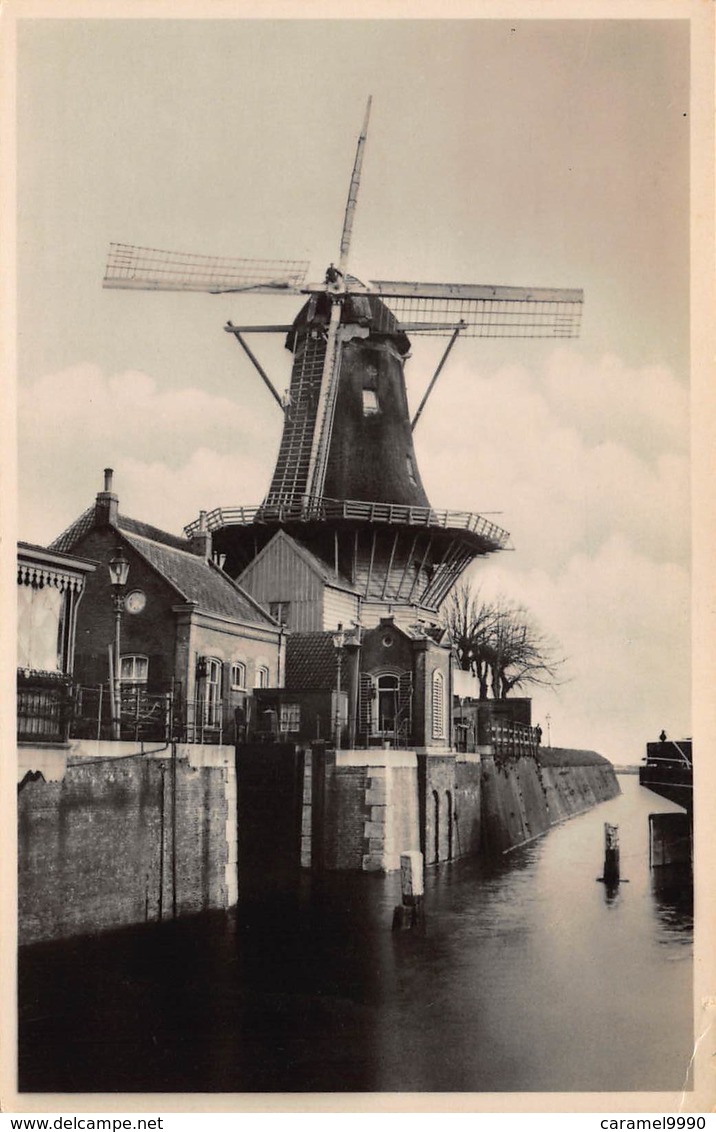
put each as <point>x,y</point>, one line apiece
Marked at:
<point>196,579</point>
<point>193,577</point>
<point>81,526</point>
<point>74,532</point>
<point>134,527</point>
<point>310,661</point>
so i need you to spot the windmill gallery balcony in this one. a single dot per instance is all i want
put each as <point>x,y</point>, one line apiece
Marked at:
<point>312,510</point>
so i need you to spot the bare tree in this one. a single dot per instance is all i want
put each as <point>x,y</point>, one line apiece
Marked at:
<point>469,620</point>
<point>522,652</point>
<point>501,642</point>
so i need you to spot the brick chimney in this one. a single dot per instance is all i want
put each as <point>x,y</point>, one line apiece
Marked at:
<point>106,508</point>
<point>201,539</point>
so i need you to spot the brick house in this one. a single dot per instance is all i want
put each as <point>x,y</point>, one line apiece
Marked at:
<point>396,688</point>
<point>187,631</point>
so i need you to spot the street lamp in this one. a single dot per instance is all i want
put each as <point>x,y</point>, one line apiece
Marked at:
<point>339,641</point>
<point>118,574</point>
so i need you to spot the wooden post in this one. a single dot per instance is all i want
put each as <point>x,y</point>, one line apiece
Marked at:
<point>611,854</point>
<point>409,914</point>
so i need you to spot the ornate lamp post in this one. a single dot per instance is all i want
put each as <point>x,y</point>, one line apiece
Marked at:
<point>339,641</point>
<point>118,574</point>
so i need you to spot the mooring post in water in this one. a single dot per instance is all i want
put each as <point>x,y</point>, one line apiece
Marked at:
<point>611,854</point>
<point>410,913</point>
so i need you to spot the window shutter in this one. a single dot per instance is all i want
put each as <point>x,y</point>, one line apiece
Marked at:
<point>405,704</point>
<point>365,701</point>
<point>438,705</point>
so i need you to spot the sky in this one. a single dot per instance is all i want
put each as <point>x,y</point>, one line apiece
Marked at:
<point>520,152</point>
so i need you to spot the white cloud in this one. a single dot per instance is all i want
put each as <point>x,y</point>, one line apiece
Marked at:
<point>645,409</point>
<point>622,623</point>
<point>562,483</point>
<point>173,452</point>
<point>588,463</point>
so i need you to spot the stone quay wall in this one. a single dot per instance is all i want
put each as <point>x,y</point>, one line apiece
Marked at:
<point>117,841</point>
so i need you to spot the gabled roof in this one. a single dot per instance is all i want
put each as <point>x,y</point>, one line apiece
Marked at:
<point>417,631</point>
<point>310,661</point>
<point>323,571</point>
<point>74,532</point>
<point>196,579</point>
<point>193,577</point>
<point>81,526</point>
<point>146,530</point>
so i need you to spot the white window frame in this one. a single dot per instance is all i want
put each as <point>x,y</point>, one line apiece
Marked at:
<point>134,680</point>
<point>395,689</point>
<point>262,678</point>
<point>289,717</point>
<point>238,669</point>
<point>211,698</point>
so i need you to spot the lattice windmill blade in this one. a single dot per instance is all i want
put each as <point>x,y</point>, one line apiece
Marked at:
<point>151,269</point>
<point>483,311</point>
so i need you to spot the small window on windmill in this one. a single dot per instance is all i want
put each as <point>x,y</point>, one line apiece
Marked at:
<point>370,392</point>
<point>370,403</point>
<point>411,469</point>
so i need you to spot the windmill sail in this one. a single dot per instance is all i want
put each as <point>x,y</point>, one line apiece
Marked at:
<point>149,269</point>
<point>483,311</point>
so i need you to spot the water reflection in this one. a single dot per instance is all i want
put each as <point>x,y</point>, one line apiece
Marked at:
<point>673,894</point>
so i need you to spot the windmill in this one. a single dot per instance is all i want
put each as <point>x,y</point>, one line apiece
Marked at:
<point>346,483</point>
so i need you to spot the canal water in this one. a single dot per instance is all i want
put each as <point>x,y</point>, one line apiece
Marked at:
<point>528,976</point>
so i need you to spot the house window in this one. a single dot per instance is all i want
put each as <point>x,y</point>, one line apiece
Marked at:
<point>279,611</point>
<point>370,403</point>
<point>438,705</point>
<point>290,717</point>
<point>212,692</point>
<point>238,675</point>
<point>133,669</point>
<point>262,677</point>
<point>387,703</point>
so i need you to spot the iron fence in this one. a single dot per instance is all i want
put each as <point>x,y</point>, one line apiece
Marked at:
<point>44,707</point>
<point>514,740</point>
<point>53,710</point>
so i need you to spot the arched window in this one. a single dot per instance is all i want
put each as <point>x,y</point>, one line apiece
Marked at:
<point>238,675</point>
<point>387,703</point>
<point>262,676</point>
<point>212,692</point>
<point>133,669</point>
<point>438,705</point>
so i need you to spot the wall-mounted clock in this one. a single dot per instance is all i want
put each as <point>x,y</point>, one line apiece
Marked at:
<point>135,601</point>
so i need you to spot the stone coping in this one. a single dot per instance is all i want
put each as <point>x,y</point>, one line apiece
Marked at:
<point>377,757</point>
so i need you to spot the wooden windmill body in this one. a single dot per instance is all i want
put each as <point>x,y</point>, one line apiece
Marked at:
<point>346,484</point>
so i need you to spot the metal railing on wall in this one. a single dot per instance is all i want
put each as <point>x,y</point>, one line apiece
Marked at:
<point>52,709</point>
<point>44,707</point>
<point>514,740</point>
